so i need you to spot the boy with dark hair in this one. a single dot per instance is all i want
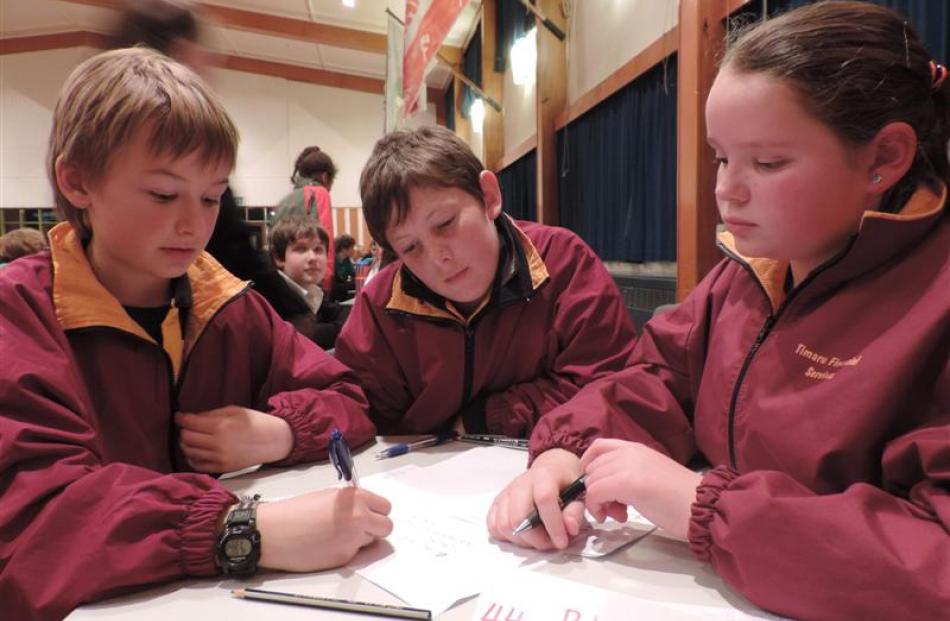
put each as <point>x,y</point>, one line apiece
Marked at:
<point>299,249</point>
<point>482,321</point>
<point>133,362</point>
<point>344,272</point>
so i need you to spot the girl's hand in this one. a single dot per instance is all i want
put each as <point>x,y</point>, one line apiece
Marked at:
<point>621,473</point>
<point>539,487</point>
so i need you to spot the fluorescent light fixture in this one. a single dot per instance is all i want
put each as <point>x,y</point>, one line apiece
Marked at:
<point>524,58</point>
<point>476,112</point>
<point>349,3</point>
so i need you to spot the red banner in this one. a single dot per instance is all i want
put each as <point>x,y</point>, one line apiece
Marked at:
<point>427,24</point>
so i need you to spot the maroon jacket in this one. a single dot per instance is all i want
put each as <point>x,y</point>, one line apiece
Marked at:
<point>825,413</point>
<point>92,497</point>
<point>554,321</point>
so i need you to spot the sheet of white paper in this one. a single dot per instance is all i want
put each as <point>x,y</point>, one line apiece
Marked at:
<point>433,558</point>
<point>526,594</point>
<point>439,551</point>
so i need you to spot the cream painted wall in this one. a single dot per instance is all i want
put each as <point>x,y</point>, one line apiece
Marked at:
<point>276,118</point>
<point>29,85</point>
<point>602,36</point>
<point>605,34</point>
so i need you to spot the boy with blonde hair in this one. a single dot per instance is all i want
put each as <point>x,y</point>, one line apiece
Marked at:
<point>133,362</point>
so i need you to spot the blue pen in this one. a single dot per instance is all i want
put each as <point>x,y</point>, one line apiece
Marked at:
<point>342,458</point>
<point>403,448</point>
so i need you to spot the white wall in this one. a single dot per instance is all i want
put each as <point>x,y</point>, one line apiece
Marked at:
<point>276,118</point>
<point>29,85</point>
<point>605,34</point>
<point>602,36</point>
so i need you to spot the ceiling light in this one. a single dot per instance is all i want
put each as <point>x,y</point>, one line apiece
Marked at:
<point>524,58</point>
<point>349,3</point>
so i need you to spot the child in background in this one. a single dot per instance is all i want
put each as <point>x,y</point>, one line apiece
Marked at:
<point>19,243</point>
<point>299,249</point>
<point>133,360</point>
<point>815,377</point>
<point>344,272</point>
<point>482,322</point>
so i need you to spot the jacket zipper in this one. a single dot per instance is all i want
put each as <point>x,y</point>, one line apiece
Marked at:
<point>770,322</point>
<point>469,363</point>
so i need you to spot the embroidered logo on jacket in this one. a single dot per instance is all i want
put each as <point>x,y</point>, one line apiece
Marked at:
<point>826,365</point>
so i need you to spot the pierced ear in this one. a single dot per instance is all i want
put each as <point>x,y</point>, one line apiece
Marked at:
<point>71,183</point>
<point>893,151</point>
<point>491,190</point>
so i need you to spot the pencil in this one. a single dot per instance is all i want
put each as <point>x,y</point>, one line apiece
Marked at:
<point>327,603</point>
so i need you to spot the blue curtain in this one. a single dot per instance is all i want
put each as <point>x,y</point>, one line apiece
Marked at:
<point>512,20</point>
<point>618,171</point>
<point>472,68</point>
<point>519,187</point>
<point>930,18</point>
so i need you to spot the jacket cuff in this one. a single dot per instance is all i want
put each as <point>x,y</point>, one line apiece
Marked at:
<point>704,509</point>
<point>473,415</point>
<point>305,447</point>
<point>575,443</point>
<point>198,532</point>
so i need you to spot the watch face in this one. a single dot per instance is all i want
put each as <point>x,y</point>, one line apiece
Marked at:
<point>237,547</point>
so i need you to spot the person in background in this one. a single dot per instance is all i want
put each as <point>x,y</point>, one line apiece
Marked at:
<point>299,249</point>
<point>19,243</point>
<point>172,28</point>
<point>344,272</point>
<point>482,323</point>
<point>811,367</point>
<point>136,367</point>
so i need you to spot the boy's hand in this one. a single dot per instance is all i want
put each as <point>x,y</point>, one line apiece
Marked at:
<point>231,438</point>
<point>623,473</point>
<point>322,529</point>
<point>540,486</point>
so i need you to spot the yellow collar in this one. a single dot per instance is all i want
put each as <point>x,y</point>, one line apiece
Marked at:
<point>81,301</point>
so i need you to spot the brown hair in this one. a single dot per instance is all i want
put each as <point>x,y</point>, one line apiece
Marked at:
<point>112,95</point>
<point>288,230</point>
<point>312,162</point>
<point>430,156</point>
<point>21,242</point>
<point>856,67</point>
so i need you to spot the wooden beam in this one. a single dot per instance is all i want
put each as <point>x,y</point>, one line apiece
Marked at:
<point>298,73</point>
<point>551,93</point>
<point>299,29</point>
<point>701,41</point>
<point>57,41</point>
<point>493,129</point>
<point>512,156</point>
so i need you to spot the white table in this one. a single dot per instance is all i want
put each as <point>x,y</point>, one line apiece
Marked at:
<point>655,568</point>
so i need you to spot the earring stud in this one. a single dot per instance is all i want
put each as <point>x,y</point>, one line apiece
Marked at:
<point>876,178</point>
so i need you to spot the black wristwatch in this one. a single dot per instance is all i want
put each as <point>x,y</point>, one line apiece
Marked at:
<point>239,544</point>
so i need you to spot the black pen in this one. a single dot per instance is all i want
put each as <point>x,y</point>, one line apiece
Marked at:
<point>403,448</point>
<point>571,492</point>
<point>328,603</point>
<point>520,444</point>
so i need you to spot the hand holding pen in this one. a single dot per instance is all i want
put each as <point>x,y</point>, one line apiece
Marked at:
<point>569,494</point>
<point>342,459</point>
<point>404,447</point>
